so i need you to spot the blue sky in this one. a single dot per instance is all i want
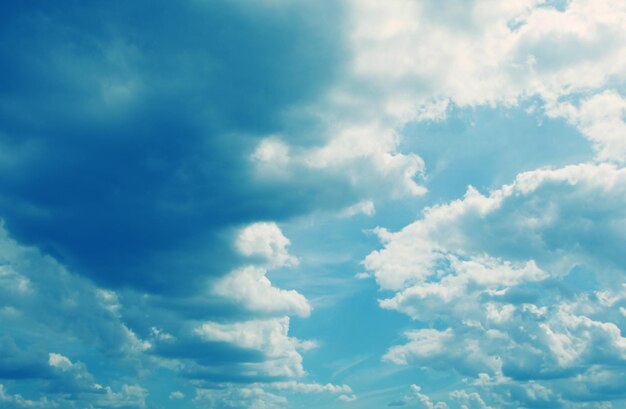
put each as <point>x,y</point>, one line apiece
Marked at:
<point>279,204</point>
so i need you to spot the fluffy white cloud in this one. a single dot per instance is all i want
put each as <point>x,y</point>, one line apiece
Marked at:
<point>230,396</point>
<point>267,241</point>
<point>365,207</point>
<point>263,395</point>
<point>469,400</point>
<point>418,399</point>
<point>177,395</point>
<point>482,52</point>
<point>250,287</point>
<point>535,221</point>
<point>600,118</point>
<point>311,387</point>
<point>268,336</point>
<point>410,60</point>
<point>528,280</point>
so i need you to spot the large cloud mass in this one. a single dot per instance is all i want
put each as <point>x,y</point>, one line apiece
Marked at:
<point>183,185</point>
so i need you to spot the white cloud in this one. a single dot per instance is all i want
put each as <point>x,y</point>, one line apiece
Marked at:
<point>347,398</point>
<point>600,118</point>
<point>269,336</point>
<point>12,281</point>
<point>469,400</point>
<point>177,395</point>
<point>458,237</point>
<point>409,61</point>
<point>367,155</point>
<point>365,207</point>
<point>500,270</point>
<point>272,157</point>
<point>250,287</point>
<point>129,396</point>
<point>310,387</point>
<point>493,53</point>
<point>423,343</point>
<point>421,400</point>
<point>230,396</point>
<point>265,240</point>
<point>18,402</point>
<point>59,361</point>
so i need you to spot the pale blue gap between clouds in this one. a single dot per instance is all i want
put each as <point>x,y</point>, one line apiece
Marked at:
<point>147,250</point>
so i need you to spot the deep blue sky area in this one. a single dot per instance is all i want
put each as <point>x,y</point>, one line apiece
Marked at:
<point>276,204</point>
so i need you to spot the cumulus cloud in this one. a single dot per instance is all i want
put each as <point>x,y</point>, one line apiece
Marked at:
<point>254,397</point>
<point>265,240</point>
<point>177,395</point>
<point>311,387</point>
<point>268,336</point>
<point>264,395</point>
<point>122,197</point>
<point>601,119</point>
<point>494,53</point>
<point>416,398</point>
<point>249,286</point>
<point>519,280</point>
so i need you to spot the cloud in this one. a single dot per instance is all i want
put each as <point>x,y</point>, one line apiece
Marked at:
<point>600,118</point>
<point>265,240</point>
<point>492,53</point>
<point>253,397</point>
<point>18,402</point>
<point>39,292</point>
<point>311,387</point>
<point>471,400</point>
<point>248,286</point>
<point>259,395</point>
<point>131,152</point>
<point>177,395</point>
<point>268,336</point>
<point>418,399</point>
<point>520,280</point>
<point>145,167</point>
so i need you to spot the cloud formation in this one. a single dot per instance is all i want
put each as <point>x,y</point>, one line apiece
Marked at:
<point>527,295</point>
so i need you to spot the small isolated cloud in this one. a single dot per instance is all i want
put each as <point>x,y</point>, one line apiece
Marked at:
<point>365,207</point>
<point>347,398</point>
<point>177,395</point>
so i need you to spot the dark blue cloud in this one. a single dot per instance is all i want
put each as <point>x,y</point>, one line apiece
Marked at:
<point>127,128</point>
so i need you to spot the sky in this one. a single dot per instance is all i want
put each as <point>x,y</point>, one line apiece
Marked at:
<point>278,204</point>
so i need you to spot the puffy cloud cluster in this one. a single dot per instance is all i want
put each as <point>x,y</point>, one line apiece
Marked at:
<point>527,279</point>
<point>481,52</point>
<point>263,396</point>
